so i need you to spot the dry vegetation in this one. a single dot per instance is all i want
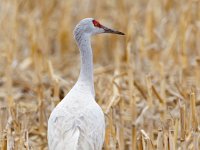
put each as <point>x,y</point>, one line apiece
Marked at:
<point>148,82</point>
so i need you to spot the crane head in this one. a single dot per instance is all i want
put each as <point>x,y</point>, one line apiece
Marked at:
<point>102,29</point>
<point>91,26</point>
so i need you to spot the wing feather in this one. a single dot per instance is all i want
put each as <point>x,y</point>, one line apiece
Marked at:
<point>72,130</point>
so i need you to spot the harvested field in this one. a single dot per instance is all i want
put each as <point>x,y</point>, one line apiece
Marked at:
<point>147,82</point>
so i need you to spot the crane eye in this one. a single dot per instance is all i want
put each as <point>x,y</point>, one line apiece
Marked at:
<point>96,24</point>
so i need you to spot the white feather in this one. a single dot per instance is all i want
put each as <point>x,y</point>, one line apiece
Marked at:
<point>77,122</point>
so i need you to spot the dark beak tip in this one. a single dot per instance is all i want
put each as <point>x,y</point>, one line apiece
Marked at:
<point>107,30</point>
<point>120,33</point>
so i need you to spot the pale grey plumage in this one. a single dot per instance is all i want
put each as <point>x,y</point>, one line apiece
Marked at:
<point>78,125</point>
<point>77,122</point>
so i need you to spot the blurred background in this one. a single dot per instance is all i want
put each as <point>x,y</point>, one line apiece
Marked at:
<point>147,82</point>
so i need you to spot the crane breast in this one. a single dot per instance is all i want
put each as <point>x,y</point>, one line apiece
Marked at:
<point>81,130</point>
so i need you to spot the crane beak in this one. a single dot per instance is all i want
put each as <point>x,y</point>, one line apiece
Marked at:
<point>107,30</point>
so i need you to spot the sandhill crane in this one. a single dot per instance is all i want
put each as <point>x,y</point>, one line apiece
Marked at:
<point>77,122</point>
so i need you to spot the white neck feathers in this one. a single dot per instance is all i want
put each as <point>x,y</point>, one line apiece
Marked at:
<point>85,79</point>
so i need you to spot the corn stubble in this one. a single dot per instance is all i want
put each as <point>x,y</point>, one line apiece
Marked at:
<point>147,83</point>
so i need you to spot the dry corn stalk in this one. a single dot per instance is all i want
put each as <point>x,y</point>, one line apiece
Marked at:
<point>193,112</point>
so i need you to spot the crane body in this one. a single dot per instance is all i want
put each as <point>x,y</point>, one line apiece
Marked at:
<point>77,122</point>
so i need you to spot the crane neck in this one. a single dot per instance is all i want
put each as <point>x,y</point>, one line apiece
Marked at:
<point>85,79</point>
